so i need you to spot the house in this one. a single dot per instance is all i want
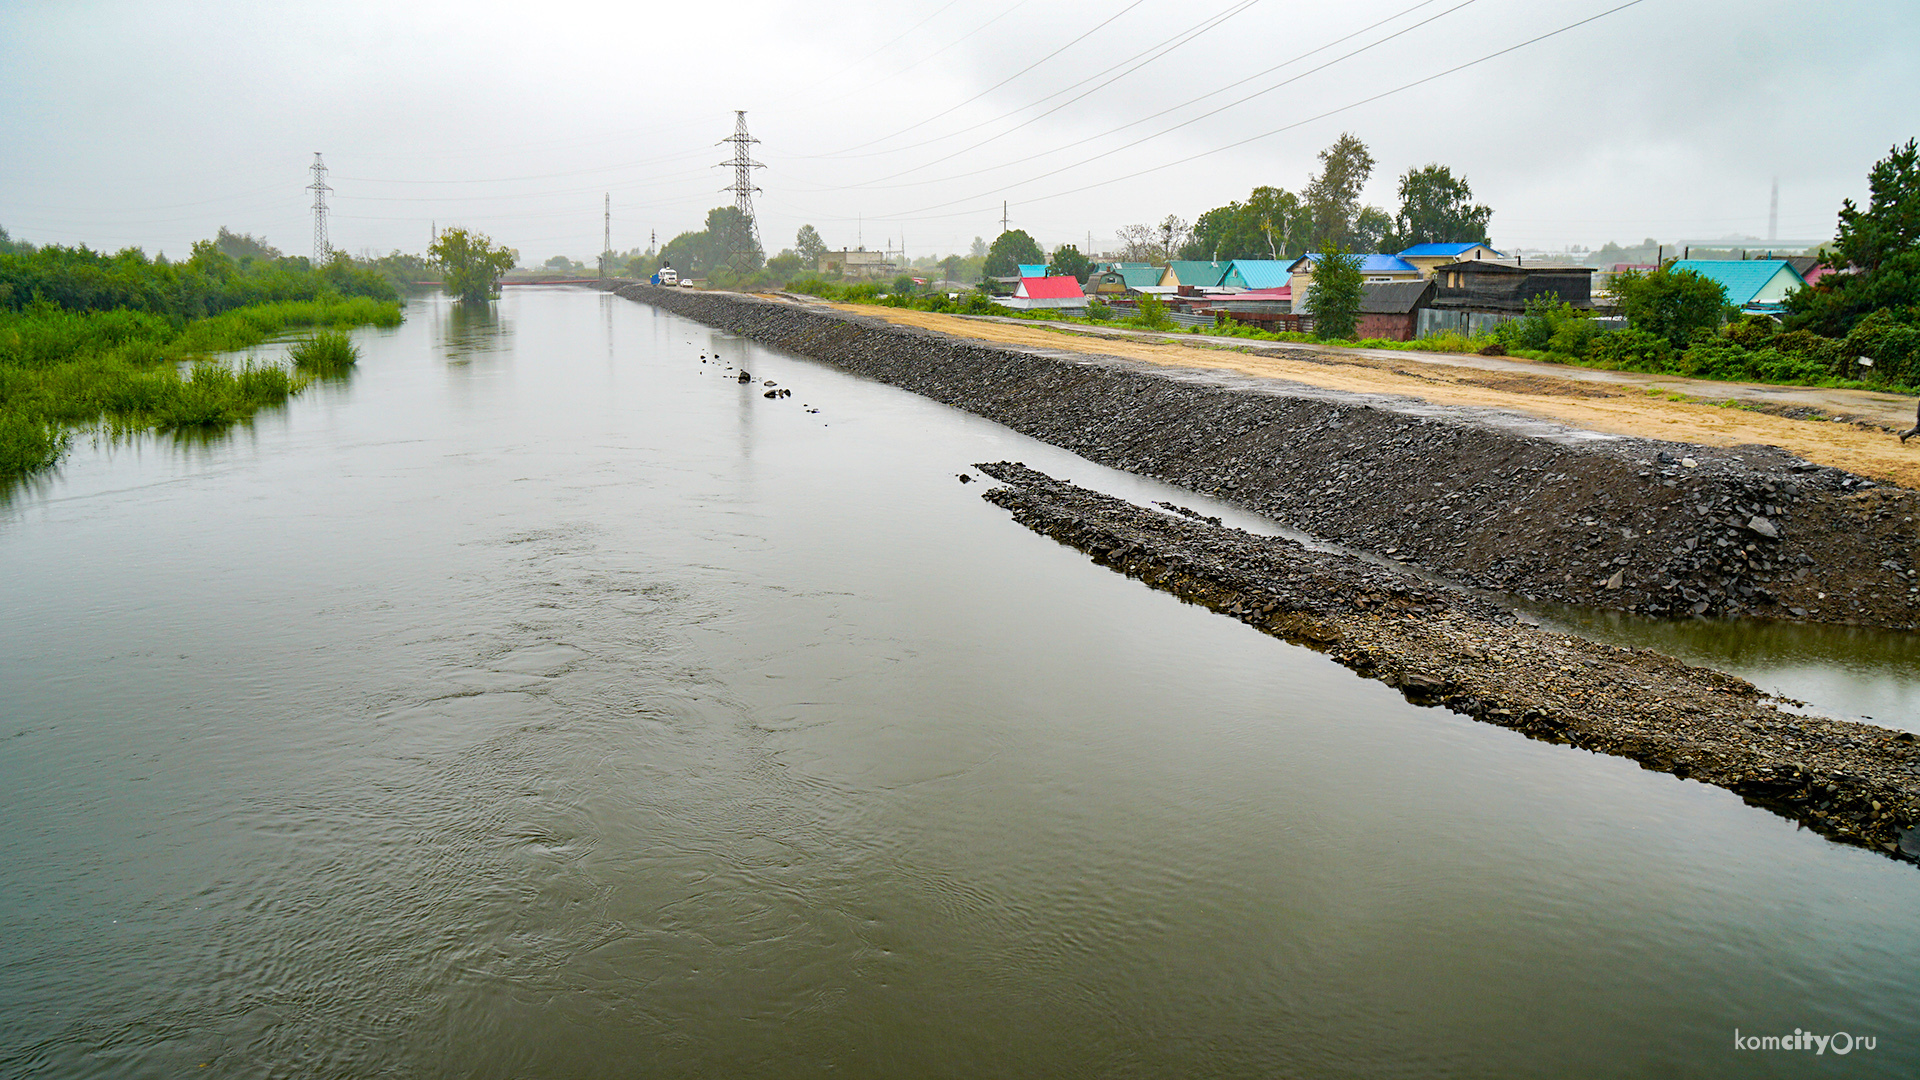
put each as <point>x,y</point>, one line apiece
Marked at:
<point>1123,278</point>
<point>1759,285</point>
<point>1428,257</point>
<point>1373,269</point>
<point>1256,274</point>
<point>857,263</point>
<point>1809,268</point>
<point>1034,293</point>
<point>1391,309</point>
<point>1471,297</point>
<point>1499,286</point>
<point>1194,274</point>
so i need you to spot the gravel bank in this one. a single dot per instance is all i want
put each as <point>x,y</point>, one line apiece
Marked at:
<point>1483,497</point>
<point>1851,782</point>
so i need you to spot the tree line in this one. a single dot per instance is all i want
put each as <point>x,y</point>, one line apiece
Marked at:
<point>1436,206</point>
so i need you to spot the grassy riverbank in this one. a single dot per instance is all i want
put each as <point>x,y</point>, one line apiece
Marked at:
<point>126,343</point>
<point>128,371</point>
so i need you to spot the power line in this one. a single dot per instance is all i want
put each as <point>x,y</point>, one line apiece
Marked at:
<point>1002,82</point>
<point>1285,127</point>
<point>951,44</point>
<point>1218,109</point>
<point>1157,52</point>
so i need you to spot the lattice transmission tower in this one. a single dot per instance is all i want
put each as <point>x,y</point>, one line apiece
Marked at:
<point>321,249</point>
<point>744,242</point>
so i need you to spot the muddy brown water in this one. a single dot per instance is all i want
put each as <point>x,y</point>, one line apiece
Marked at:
<point>541,701</point>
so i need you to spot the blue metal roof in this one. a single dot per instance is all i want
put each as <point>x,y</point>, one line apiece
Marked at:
<point>1258,273</point>
<point>1369,264</point>
<point>1741,278</point>
<point>1442,251</point>
<point>1033,269</point>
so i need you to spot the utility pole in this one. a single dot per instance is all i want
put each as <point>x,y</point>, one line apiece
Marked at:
<point>1003,215</point>
<point>1773,214</point>
<point>606,232</point>
<point>746,239</point>
<point>321,249</point>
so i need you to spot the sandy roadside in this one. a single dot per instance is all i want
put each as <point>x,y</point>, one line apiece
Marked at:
<point>1585,404</point>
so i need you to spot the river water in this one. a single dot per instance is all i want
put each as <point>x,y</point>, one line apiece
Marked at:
<point>542,701</point>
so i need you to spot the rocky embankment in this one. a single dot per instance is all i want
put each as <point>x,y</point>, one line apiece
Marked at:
<point>1854,783</point>
<point>1481,497</point>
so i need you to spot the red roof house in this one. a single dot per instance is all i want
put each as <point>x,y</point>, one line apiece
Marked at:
<point>1047,292</point>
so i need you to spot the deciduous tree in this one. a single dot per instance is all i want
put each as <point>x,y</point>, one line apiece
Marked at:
<point>1333,197</point>
<point>1675,304</point>
<point>1068,261</point>
<point>1437,207</point>
<point>469,263</point>
<point>1009,250</point>
<point>808,245</point>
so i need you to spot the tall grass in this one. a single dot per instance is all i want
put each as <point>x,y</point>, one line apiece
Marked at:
<point>61,370</point>
<point>329,352</point>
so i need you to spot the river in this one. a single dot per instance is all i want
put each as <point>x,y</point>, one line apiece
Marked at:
<point>543,701</point>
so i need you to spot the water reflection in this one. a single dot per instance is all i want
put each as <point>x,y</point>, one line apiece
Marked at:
<point>467,332</point>
<point>1851,671</point>
<point>558,713</point>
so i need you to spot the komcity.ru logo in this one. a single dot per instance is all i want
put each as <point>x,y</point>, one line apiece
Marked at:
<point>1839,1042</point>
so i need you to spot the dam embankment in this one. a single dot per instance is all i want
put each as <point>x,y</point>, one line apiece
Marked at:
<point>1483,497</point>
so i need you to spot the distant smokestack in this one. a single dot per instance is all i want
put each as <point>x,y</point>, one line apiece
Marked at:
<point>1773,213</point>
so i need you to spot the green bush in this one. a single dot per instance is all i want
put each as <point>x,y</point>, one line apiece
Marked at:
<point>1754,331</point>
<point>327,352</point>
<point>1893,346</point>
<point>1098,311</point>
<point>1631,350</point>
<point>1152,314</point>
<point>1549,325</point>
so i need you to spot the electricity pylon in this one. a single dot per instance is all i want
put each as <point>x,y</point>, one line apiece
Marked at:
<point>744,242</point>
<point>321,249</point>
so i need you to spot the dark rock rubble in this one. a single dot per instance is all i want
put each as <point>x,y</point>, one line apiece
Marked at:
<point>1854,783</point>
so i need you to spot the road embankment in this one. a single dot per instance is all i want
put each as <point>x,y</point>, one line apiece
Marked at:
<point>1484,497</point>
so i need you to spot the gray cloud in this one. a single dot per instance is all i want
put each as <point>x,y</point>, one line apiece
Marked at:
<point>153,124</point>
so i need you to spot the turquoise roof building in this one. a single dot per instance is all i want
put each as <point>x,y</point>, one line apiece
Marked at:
<point>1757,284</point>
<point>1257,273</point>
<point>1033,269</point>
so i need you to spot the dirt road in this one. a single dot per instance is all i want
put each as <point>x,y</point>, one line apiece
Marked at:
<point>1623,403</point>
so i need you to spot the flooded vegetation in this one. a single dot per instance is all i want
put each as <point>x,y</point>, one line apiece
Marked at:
<point>545,696</point>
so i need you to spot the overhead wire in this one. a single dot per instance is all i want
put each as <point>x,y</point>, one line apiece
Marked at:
<point>1159,50</point>
<point>949,45</point>
<point>1082,37</point>
<point>1285,127</point>
<point>1211,112</point>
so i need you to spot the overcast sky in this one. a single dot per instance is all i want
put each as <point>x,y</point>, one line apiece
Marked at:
<point>152,124</point>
